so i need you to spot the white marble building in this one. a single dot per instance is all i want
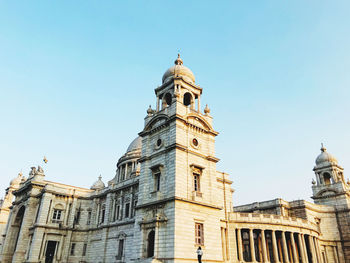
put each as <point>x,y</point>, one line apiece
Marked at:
<point>167,199</point>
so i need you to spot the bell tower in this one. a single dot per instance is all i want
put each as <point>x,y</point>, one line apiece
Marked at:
<point>182,198</point>
<point>330,187</point>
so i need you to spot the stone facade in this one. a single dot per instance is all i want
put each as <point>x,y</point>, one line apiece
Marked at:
<point>167,199</point>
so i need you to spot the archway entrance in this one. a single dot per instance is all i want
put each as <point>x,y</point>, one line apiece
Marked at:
<point>150,245</point>
<point>17,225</point>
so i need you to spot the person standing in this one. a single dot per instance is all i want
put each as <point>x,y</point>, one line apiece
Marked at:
<point>199,254</point>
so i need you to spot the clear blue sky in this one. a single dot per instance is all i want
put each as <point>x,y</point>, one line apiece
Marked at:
<point>76,79</point>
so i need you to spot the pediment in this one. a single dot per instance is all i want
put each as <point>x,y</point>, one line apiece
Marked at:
<point>199,122</point>
<point>156,121</point>
<point>326,192</point>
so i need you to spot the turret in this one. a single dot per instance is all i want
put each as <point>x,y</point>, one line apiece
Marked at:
<point>330,187</point>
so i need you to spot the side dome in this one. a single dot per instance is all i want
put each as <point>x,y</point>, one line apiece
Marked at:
<point>135,145</point>
<point>16,181</point>
<point>98,185</point>
<point>179,70</point>
<point>325,157</point>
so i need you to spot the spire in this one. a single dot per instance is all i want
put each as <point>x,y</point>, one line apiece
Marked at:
<point>178,61</point>
<point>323,149</point>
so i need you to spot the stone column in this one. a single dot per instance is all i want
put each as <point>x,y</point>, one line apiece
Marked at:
<point>199,104</point>
<point>264,250</point>
<point>302,249</point>
<point>274,246</point>
<point>335,254</point>
<point>126,170</point>
<point>285,249</point>
<point>318,254</point>
<point>223,244</point>
<point>239,242</point>
<point>157,104</point>
<point>303,245</point>
<point>312,248</point>
<point>296,259</point>
<point>318,250</point>
<point>252,248</point>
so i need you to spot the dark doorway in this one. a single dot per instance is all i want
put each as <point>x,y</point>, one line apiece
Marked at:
<point>150,248</point>
<point>18,225</point>
<point>50,251</point>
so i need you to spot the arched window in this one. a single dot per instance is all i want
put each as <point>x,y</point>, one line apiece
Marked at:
<point>168,99</point>
<point>150,244</point>
<point>327,178</point>
<point>187,99</point>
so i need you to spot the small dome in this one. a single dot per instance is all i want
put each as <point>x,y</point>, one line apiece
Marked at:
<point>325,157</point>
<point>98,185</point>
<point>179,70</point>
<point>135,145</point>
<point>17,180</point>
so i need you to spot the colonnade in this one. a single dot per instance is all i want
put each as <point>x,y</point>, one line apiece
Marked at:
<point>125,170</point>
<point>259,245</point>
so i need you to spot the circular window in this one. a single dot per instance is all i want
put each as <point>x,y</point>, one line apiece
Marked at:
<point>159,142</point>
<point>195,142</point>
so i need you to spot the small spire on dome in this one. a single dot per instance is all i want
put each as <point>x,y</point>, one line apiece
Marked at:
<point>178,61</point>
<point>100,177</point>
<point>323,149</point>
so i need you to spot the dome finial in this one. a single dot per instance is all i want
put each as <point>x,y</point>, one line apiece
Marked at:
<point>323,149</point>
<point>178,61</point>
<point>206,109</point>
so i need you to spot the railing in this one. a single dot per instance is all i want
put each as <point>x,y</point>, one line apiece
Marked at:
<point>256,218</point>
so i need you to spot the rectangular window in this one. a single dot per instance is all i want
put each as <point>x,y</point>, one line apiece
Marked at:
<point>157,182</point>
<point>196,182</point>
<point>135,204</point>
<point>84,249</point>
<point>118,212</point>
<point>72,249</point>
<point>77,217</point>
<point>127,210</point>
<point>199,234</point>
<point>103,211</point>
<point>88,218</point>
<point>57,214</point>
<point>120,249</point>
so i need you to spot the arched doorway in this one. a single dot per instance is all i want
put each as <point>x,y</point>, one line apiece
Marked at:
<point>150,244</point>
<point>17,225</point>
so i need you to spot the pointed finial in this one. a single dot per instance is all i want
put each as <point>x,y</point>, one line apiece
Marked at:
<point>206,109</point>
<point>178,61</point>
<point>149,110</point>
<point>323,149</point>
<point>20,174</point>
<point>45,160</point>
<point>100,177</point>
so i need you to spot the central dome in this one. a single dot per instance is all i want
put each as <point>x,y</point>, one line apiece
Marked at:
<point>178,70</point>
<point>135,145</point>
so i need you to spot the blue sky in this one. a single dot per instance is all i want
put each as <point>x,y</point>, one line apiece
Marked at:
<point>76,79</point>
